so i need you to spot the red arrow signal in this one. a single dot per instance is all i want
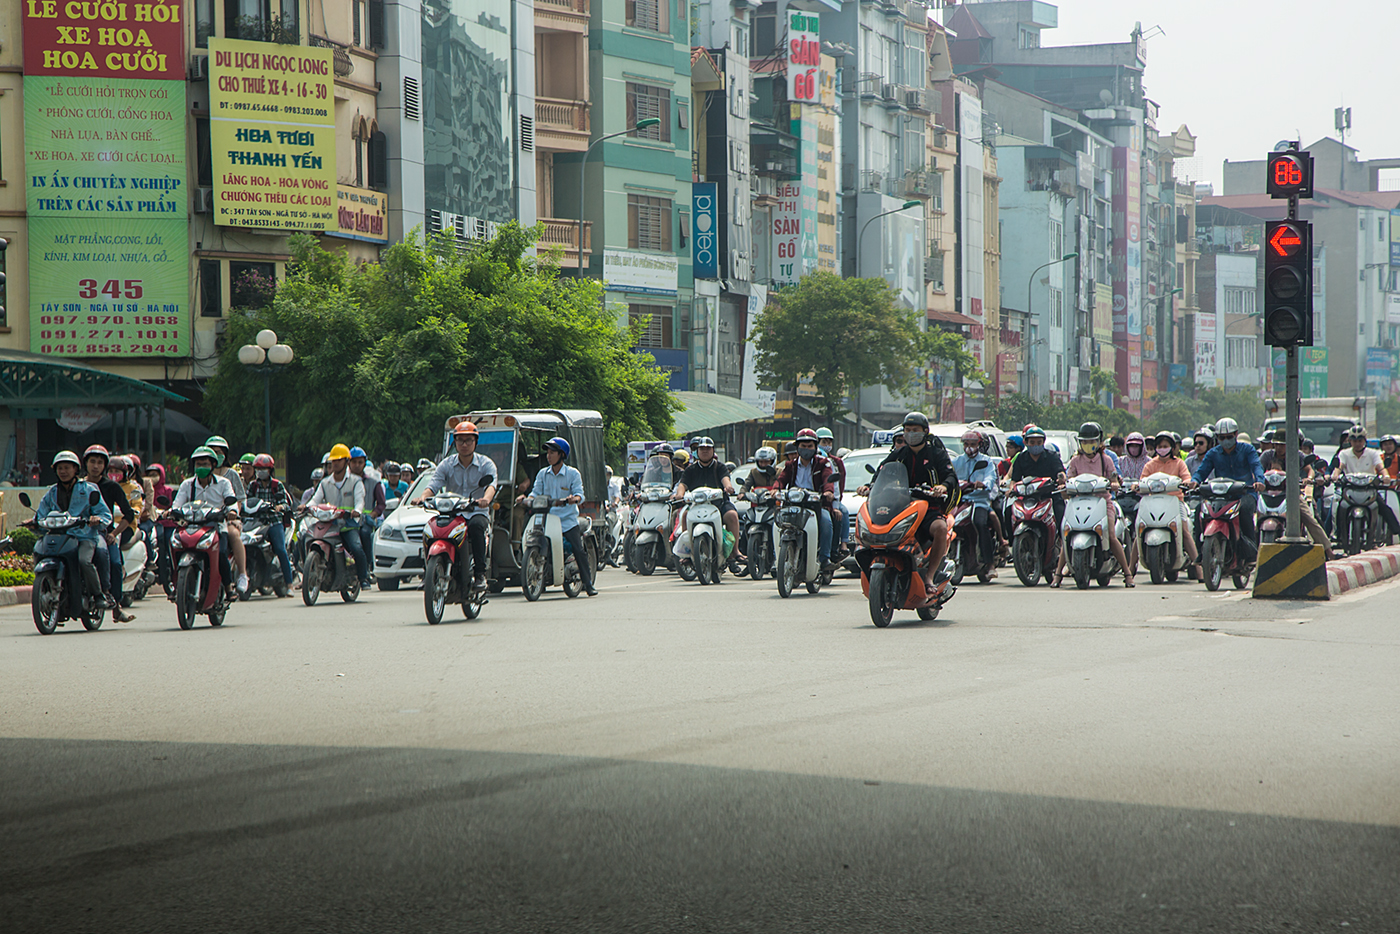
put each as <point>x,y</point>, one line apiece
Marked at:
<point>1286,241</point>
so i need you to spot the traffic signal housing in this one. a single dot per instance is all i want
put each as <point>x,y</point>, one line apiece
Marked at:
<point>1290,174</point>
<point>1288,304</point>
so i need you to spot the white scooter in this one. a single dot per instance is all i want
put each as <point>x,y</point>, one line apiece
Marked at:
<point>704,529</point>
<point>651,532</point>
<point>137,578</point>
<point>1087,531</point>
<point>799,551</point>
<point>543,560</point>
<point>1162,527</point>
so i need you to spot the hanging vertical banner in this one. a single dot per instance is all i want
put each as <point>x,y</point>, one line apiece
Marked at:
<point>272,135</point>
<point>704,241</point>
<point>104,140</point>
<point>804,55</point>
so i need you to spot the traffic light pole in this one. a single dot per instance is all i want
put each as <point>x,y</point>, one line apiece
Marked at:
<point>1293,519</point>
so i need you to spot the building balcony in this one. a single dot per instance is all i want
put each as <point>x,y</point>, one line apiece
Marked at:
<point>562,15</point>
<point>561,125</point>
<point>916,185</point>
<point>563,235</point>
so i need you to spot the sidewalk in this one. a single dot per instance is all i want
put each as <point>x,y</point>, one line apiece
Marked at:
<point>1369,567</point>
<point>9,596</point>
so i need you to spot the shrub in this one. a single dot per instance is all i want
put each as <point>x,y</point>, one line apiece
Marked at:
<point>23,540</point>
<point>15,578</point>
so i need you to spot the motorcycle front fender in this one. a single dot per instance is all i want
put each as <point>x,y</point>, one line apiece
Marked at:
<point>1080,541</point>
<point>441,547</point>
<point>49,564</point>
<point>1157,537</point>
<point>1217,527</point>
<point>187,559</point>
<point>647,537</point>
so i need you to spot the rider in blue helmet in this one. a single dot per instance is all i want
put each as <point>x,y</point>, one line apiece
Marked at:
<point>564,485</point>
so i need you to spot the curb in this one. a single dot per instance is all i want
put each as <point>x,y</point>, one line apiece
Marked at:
<point>1356,572</point>
<point>10,596</point>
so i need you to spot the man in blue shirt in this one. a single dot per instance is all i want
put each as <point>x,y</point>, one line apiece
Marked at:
<point>74,496</point>
<point>473,475</point>
<point>563,484</point>
<point>1233,459</point>
<point>976,468</point>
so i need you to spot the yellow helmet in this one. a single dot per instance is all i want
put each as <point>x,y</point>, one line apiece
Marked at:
<point>681,457</point>
<point>339,451</point>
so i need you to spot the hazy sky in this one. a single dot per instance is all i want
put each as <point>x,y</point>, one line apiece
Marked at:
<point>1212,70</point>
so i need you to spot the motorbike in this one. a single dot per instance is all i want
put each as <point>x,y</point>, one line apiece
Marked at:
<point>1358,516</point>
<point>59,592</point>
<point>1222,546</point>
<point>966,550</point>
<point>1087,530</point>
<point>891,559</point>
<point>328,564</point>
<point>1272,511</point>
<point>1035,537</point>
<point>548,559</point>
<point>705,531</point>
<point>264,570</point>
<point>445,579</point>
<point>1160,532</point>
<point>194,552</point>
<point>614,529</point>
<point>138,568</point>
<point>761,534</point>
<point>799,553</point>
<point>651,530</point>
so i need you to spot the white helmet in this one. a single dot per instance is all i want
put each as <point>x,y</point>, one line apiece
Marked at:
<point>1227,426</point>
<point>67,457</point>
<point>843,452</point>
<point>765,453</point>
<point>317,475</point>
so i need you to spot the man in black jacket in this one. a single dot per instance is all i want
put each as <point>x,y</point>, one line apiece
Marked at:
<point>95,459</point>
<point>927,461</point>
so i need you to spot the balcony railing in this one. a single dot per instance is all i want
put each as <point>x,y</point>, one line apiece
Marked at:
<point>564,234</point>
<point>565,6</point>
<point>561,124</point>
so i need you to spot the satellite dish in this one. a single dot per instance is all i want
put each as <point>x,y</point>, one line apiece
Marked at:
<point>1106,96</point>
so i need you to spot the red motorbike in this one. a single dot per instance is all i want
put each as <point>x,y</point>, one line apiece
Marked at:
<point>444,579</point>
<point>1222,545</point>
<point>1036,535</point>
<point>194,552</point>
<point>328,565</point>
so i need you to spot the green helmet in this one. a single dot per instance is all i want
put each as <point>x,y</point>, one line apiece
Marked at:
<point>217,441</point>
<point>205,451</point>
<point>825,433</point>
<point>247,458</point>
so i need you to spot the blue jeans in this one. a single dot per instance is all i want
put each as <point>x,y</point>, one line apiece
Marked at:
<point>824,533</point>
<point>103,559</point>
<point>117,570</point>
<point>353,544</point>
<point>843,534</point>
<point>277,534</point>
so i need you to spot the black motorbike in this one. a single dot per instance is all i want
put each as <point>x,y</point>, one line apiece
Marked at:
<point>60,593</point>
<point>759,522</point>
<point>264,570</point>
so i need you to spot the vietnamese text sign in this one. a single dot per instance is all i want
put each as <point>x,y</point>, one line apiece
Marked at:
<point>272,135</point>
<point>361,214</point>
<point>104,40</point>
<point>650,273</point>
<point>1312,372</point>
<point>804,55</point>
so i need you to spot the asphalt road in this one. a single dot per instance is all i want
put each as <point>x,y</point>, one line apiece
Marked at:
<point>668,757</point>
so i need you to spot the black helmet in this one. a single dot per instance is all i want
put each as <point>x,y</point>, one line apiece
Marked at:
<point>1091,431</point>
<point>665,449</point>
<point>915,418</point>
<point>1164,435</point>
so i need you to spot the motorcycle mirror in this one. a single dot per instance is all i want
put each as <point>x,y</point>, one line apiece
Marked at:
<point>162,501</point>
<point>24,498</point>
<point>230,500</point>
<point>870,469</point>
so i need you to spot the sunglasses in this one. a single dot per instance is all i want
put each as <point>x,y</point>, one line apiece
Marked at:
<point>1200,444</point>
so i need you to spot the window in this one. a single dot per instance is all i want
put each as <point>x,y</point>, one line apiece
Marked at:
<point>210,289</point>
<point>1057,308</point>
<point>648,14</point>
<point>1029,38</point>
<point>649,223</point>
<point>203,22</point>
<point>1057,240</point>
<point>251,285</point>
<point>1380,230</point>
<point>355,19</point>
<point>1241,352</point>
<point>657,333</point>
<point>644,101</point>
<point>263,20</point>
<point>378,170</point>
<point>1239,301</point>
<point>203,153</point>
<point>4,298</point>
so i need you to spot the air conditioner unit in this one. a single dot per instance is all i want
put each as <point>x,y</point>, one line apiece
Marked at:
<point>204,201</point>
<point>199,68</point>
<point>919,99</point>
<point>888,91</point>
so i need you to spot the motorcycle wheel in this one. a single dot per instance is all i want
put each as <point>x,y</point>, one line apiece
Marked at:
<point>187,596</point>
<point>881,600</point>
<point>786,572</point>
<point>1079,562</point>
<point>927,613</point>
<point>1241,579</point>
<point>216,616</point>
<point>757,554</point>
<point>1025,555</point>
<point>280,587</point>
<point>703,556</point>
<point>127,600</point>
<point>1172,574</point>
<point>685,567</point>
<point>311,577</point>
<point>1213,561</point>
<point>573,580</point>
<point>646,559</point>
<point>93,621</point>
<point>471,607</point>
<point>351,592</point>
<point>816,585</point>
<point>1155,557</point>
<point>957,556</point>
<point>1268,536</point>
<point>532,573</point>
<point>45,602</point>
<point>435,586</point>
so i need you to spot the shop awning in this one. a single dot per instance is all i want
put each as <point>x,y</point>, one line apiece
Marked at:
<point>38,386</point>
<point>711,410</point>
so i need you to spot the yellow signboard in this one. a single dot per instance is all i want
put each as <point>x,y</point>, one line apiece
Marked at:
<point>361,214</point>
<point>272,135</point>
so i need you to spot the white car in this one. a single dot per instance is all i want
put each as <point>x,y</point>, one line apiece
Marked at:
<point>398,543</point>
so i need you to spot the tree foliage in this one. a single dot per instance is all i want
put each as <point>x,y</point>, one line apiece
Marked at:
<point>844,334</point>
<point>386,351</point>
<point>1172,412</point>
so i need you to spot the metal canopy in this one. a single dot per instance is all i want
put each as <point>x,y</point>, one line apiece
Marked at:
<point>711,410</point>
<point>31,381</point>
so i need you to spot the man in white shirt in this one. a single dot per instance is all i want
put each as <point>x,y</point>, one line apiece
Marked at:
<point>209,488</point>
<point>1361,459</point>
<point>344,490</point>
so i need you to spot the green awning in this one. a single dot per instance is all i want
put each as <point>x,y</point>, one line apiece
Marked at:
<point>31,382</point>
<point>711,410</point>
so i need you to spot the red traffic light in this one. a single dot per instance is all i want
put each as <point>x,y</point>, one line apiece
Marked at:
<point>1290,175</point>
<point>1286,240</point>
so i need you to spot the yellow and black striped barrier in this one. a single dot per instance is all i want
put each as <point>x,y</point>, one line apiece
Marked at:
<point>1291,572</point>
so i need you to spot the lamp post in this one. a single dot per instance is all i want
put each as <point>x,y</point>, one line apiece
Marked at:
<point>860,254</point>
<point>1030,317</point>
<point>583,167</point>
<point>265,357</point>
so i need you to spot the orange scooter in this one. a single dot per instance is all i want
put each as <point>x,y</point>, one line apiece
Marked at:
<point>892,561</point>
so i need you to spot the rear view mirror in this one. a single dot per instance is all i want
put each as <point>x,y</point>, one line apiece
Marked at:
<point>230,500</point>
<point>870,469</point>
<point>24,498</point>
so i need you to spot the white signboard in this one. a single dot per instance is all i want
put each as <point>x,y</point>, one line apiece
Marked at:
<point>80,420</point>
<point>650,273</point>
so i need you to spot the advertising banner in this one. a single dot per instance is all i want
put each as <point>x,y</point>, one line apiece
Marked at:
<point>1312,371</point>
<point>804,55</point>
<point>649,273</point>
<point>787,233</point>
<point>361,214</point>
<point>1103,312</point>
<point>1395,236</point>
<point>1378,366</point>
<point>104,140</point>
<point>1127,242</point>
<point>272,135</point>
<point>704,240</point>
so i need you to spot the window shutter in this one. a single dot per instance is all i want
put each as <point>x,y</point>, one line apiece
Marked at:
<point>379,161</point>
<point>410,99</point>
<point>527,133</point>
<point>376,24</point>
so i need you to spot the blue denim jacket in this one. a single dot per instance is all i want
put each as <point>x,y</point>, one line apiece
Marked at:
<point>1240,464</point>
<point>77,506</point>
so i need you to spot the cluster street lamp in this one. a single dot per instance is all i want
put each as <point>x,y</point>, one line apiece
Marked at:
<point>582,178</point>
<point>265,357</point>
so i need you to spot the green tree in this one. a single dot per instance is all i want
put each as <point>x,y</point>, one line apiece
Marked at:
<point>1015,410</point>
<point>1101,380</point>
<point>385,352</point>
<point>843,334</point>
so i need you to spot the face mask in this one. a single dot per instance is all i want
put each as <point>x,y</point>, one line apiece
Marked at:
<point>914,438</point>
<point>1227,443</point>
<point>1134,450</point>
<point>203,472</point>
<point>1036,449</point>
<point>1086,447</point>
<point>969,451</point>
<point>1164,451</point>
<point>263,474</point>
<point>806,453</point>
<point>825,448</point>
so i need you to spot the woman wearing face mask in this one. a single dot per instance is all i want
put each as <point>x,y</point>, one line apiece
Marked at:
<point>1166,461</point>
<point>1135,455</point>
<point>270,490</point>
<point>1093,459</point>
<point>809,470</point>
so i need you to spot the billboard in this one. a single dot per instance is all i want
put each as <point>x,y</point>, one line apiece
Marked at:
<point>704,240</point>
<point>1395,236</point>
<point>1127,242</point>
<point>272,135</point>
<point>1312,371</point>
<point>105,194</point>
<point>794,231</point>
<point>1103,312</point>
<point>972,211</point>
<point>649,273</point>
<point>804,55</point>
<point>361,214</point>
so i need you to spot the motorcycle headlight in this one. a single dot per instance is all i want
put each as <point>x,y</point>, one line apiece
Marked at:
<point>54,522</point>
<point>208,540</point>
<point>796,496</point>
<point>892,537</point>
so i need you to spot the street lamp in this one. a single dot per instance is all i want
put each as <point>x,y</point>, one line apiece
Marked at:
<point>583,167</point>
<point>1029,316</point>
<point>860,243</point>
<point>265,357</point>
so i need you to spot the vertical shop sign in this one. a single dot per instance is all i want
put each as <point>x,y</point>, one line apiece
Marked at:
<point>804,55</point>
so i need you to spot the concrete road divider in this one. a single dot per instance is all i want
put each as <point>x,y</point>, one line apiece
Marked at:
<point>1288,571</point>
<point>1369,567</point>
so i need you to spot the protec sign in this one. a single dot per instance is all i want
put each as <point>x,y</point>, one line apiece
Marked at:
<point>704,241</point>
